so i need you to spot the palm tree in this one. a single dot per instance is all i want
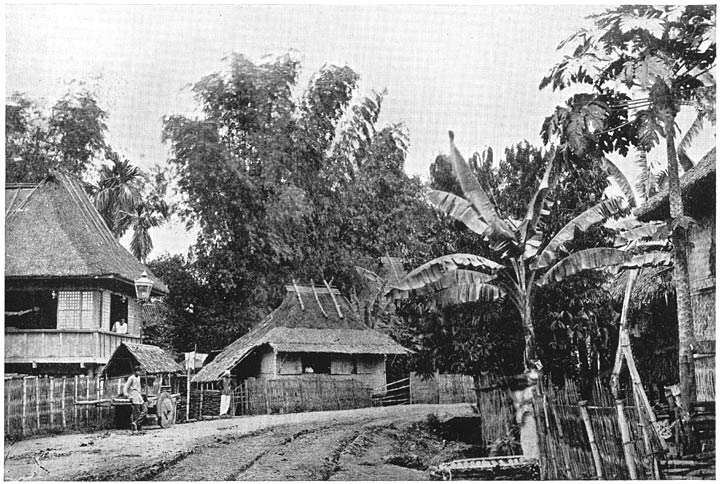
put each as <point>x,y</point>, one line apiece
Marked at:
<point>118,192</point>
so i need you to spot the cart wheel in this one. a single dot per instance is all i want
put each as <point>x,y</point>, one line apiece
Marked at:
<point>165,407</point>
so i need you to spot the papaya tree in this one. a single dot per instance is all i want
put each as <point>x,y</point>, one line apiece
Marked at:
<point>643,64</point>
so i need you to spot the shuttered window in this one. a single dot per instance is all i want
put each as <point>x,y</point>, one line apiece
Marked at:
<point>75,310</point>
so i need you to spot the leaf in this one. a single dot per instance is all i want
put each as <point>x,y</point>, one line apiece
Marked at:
<point>459,209</point>
<point>476,195</point>
<point>644,231</point>
<point>370,275</point>
<point>465,293</point>
<point>595,214</point>
<point>619,177</point>
<point>595,258</point>
<point>532,217</point>
<point>654,258</point>
<point>644,179</point>
<point>436,269</point>
<point>449,280</point>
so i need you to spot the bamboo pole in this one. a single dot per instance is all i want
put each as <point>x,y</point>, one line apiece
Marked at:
<point>187,384</point>
<point>548,432</point>
<point>52,402</point>
<point>591,437</point>
<point>62,404</point>
<point>317,299</point>
<point>297,292</point>
<point>202,393</point>
<point>75,409</point>
<point>332,296</point>
<point>563,443</point>
<point>24,407</point>
<point>628,448</point>
<point>623,339</point>
<point>646,441</point>
<point>267,397</point>
<point>37,401</point>
<point>87,397</point>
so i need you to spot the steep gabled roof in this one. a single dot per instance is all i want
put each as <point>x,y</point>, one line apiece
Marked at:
<point>152,359</point>
<point>698,191</point>
<point>53,230</point>
<point>307,321</point>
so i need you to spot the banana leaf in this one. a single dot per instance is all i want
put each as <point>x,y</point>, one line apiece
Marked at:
<point>595,214</point>
<point>436,269</point>
<point>619,177</point>
<point>459,209</point>
<point>476,195</point>
<point>451,279</point>
<point>535,207</point>
<point>596,258</point>
<point>465,293</point>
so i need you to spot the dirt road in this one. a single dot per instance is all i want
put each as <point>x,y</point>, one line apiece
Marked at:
<point>364,444</point>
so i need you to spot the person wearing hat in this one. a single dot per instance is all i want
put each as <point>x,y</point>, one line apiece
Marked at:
<point>132,391</point>
<point>225,393</point>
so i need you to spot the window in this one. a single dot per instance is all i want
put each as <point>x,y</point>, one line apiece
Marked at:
<point>316,363</point>
<point>118,310</point>
<point>75,310</point>
<point>31,309</point>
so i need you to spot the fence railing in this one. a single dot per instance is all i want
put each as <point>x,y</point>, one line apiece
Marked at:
<point>394,393</point>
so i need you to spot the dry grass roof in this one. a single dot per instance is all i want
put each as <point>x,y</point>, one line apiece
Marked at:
<point>698,190</point>
<point>152,359</point>
<point>315,326</point>
<point>53,230</point>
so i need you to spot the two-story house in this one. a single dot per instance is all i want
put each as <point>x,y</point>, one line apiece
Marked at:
<point>67,281</point>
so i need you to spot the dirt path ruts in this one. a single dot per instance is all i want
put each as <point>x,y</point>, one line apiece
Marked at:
<point>120,455</point>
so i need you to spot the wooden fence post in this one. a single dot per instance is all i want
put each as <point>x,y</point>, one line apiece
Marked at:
<point>626,441</point>
<point>98,410</point>
<point>24,407</point>
<point>410,389</point>
<point>202,394</point>
<point>267,397</point>
<point>62,403</point>
<point>52,403</point>
<point>75,408</point>
<point>87,397</point>
<point>591,437</point>
<point>187,406</point>
<point>37,401</point>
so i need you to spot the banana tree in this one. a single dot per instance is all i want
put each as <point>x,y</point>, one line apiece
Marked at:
<point>525,256</point>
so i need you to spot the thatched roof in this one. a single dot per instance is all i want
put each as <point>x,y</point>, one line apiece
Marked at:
<point>152,359</point>
<point>698,190</point>
<point>651,284</point>
<point>307,321</point>
<point>53,230</point>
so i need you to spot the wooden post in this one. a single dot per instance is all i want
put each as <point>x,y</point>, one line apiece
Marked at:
<point>334,385</point>
<point>37,401</point>
<point>52,403</point>
<point>202,393</point>
<point>24,406</point>
<point>62,404</point>
<point>187,384</point>
<point>563,444</point>
<point>646,439</point>
<point>75,407</point>
<point>87,397</point>
<point>591,437</point>
<point>409,389</point>
<point>628,448</point>
<point>267,397</point>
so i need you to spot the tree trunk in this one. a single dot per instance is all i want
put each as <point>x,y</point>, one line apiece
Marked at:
<point>681,277</point>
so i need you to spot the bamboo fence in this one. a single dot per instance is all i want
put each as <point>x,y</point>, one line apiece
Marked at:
<point>40,405</point>
<point>624,445</point>
<point>442,388</point>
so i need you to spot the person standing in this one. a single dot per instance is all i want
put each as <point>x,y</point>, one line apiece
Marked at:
<point>120,327</point>
<point>225,393</point>
<point>132,391</point>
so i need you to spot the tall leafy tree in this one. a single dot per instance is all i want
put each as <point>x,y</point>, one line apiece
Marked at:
<point>643,63</point>
<point>287,183</point>
<point>70,137</point>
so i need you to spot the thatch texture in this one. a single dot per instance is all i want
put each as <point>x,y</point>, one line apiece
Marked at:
<point>316,326</point>
<point>152,359</point>
<point>698,190</point>
<point>54,230</point>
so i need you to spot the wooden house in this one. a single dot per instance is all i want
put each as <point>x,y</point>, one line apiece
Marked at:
<point>314,331</point>
<point>698,192</point>
<point>67,280</point>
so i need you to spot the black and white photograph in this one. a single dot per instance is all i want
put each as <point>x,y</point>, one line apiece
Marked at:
<point>382,242</point>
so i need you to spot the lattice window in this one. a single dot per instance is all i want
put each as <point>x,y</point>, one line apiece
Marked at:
<point>75,310</point>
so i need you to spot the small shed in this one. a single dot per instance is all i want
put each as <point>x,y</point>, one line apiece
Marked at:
<point>158,365</point>
<point>315,330</point>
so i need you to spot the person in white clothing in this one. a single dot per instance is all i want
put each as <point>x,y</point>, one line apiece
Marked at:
<point>225,393</point>
<point>132,391</point>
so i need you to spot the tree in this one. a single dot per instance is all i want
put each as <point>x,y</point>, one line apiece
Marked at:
<point>665,54</point>
<point>70,137</point>
<point>284,188</point>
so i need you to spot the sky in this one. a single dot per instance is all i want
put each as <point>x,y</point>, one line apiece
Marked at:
<point>472,69</point>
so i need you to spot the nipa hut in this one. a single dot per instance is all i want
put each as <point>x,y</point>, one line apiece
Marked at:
<point>698,192</point>
<point>314,331</point>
